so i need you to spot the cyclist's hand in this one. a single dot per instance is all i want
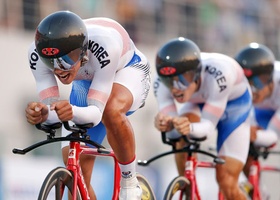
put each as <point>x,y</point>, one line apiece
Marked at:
<point>36,112</point>
<point>63,110</point>
<point>182,125</point>
<point>163,122</point>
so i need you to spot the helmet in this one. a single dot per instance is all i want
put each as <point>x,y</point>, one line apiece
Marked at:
<point>61,40</point>
<point>176,57</point>
<point>256,59</point>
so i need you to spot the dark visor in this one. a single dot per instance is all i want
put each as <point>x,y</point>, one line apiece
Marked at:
<point>66,62</point>
<point>180,81</point>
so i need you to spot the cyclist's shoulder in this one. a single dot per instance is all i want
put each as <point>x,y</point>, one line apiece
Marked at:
<point>104,26</point>
<point>277,67</point>
<point>108,34</point>
<point>214,56</point>
<point>276,75</point>
<point>219,61</point>
<point>101,21</point>
<point>220,67</point>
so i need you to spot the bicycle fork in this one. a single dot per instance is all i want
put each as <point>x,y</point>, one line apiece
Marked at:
<point>74,167</point>
<point>190,170</point>
<point>190,167</point>
<point>254,175</point>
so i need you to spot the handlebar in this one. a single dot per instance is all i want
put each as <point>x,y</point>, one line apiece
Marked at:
<point>49,128</point>
<point>193,146</point>
<point>263,152</point>
<point>78,134</point>
<point>189,140</point>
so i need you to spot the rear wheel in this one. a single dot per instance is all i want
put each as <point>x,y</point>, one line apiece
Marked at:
<point>55,183</point>
<point>147,191</point>
<point>179,188</point>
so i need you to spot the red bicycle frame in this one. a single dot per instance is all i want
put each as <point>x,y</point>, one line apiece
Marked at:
<point>254,177</point>
<point>75,138</point>
<point>191,165</point>
<point>75,150</point>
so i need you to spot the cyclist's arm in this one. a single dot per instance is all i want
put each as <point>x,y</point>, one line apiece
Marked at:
<point>46,83</point>
<point>166,106</point>
<point>265,138</point>
<point>268,137</point>
<point>102,83</point>
<point>164,98</point>
<point>214,106</point>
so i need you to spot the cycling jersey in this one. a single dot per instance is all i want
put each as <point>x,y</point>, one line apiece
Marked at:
<point>113,58</point>
<point>267,113</point>
<point>223,102</point>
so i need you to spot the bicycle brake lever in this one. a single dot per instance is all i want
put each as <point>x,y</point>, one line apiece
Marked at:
<point>219,160</point>
<point>142,162</point>
<point>103,150</point>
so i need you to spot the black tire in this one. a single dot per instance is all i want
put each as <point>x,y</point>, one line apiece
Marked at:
<point>57,179</point>
<point>147,190</point>
<point>178,186</point>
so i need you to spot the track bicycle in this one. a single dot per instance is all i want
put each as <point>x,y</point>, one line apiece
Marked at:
<point>71,176</point>
<point>185,187</point>
<point>256,169</point>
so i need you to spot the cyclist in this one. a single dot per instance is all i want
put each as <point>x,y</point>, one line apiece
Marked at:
<point>110,79</point>
<point>263,73</point>
<point>210,92</point>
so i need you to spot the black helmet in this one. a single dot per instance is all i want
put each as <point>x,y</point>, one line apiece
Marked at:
<point>176,57</point>
<point>256,59</point>
<point>61,39</point>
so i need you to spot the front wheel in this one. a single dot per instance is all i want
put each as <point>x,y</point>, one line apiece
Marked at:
<point>54,184</point>
<point>147,191</point>
<point>179,188</point>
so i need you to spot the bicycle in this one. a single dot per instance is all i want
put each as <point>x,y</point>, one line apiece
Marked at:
<point>256,169</point>
<point>71,176</point>
<point>186,186</point>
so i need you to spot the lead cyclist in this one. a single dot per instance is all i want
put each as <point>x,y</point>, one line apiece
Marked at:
<point>110,79</point>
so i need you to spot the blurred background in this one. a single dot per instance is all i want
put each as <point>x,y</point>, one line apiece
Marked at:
<point>215,25</point>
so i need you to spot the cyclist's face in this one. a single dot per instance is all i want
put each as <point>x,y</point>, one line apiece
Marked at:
<point>260,81</point>
<point>183,87</point>
<point>261,87</point>
<point>182,96</point>
<point>66,77</point>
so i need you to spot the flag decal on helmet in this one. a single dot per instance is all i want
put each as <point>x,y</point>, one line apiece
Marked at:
<point>50,51</point>
<point>168,70</point>
<point>248,72</point>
